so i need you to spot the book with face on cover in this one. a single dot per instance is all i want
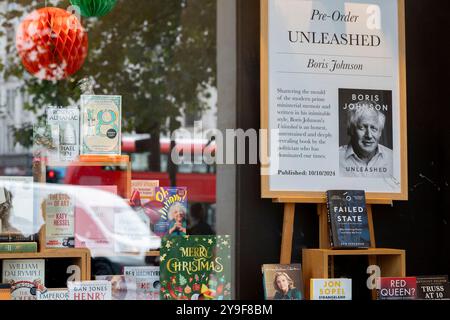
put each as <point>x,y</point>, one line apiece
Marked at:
<point>283,282</point>
<point>168,211</point>
<point>101,118</point>
<point>123,287</point>
<point>67,119</point>
<point>17,207</point>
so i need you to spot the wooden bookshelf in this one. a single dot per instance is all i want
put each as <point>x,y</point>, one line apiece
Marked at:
<point>319,263</point>
<point>80,257</point>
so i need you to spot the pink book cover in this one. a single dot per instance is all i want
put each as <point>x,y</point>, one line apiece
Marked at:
<point>88,233</point>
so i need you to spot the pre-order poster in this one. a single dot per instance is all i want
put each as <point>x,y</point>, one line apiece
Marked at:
<point>333,96</point>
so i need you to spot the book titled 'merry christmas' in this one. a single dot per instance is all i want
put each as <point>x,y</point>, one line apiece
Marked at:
<point>195,268</point>
<point>347,219</point>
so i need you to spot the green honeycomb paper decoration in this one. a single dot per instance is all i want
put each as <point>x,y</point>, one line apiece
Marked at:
<point>94,8</point>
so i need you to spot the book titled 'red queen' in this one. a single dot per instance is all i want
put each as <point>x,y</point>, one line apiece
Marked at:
<point>347,219</point>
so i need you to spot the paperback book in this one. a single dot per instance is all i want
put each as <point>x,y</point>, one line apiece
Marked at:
<point>89,290</point>
<point>67,120</point>
<point>331,289</point>
<point>432,288</point>
<point>168,212</point>
<point>347,219</point>
<point>397,288</point>
<point>283,282</point>
<point>59,221</point>
<point>122,287</point>
<point>101,125</point>
<point>18,247</point>
<point>195,268</point>
<point>26,277</point>
<point>147,281</point>
<point>53,295</point>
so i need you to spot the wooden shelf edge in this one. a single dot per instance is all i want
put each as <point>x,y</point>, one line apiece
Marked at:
<point>350,252</point>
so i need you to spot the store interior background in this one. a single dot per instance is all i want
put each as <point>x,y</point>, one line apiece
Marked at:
<point>421,225</point>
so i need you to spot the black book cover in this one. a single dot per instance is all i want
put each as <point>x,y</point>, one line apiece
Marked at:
<point>433,288</point>
<point>347,218</point>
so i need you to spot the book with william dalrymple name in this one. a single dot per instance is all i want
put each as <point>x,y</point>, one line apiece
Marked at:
<point>331,289</point>
<point>347,219</point>
<point>89,290</point>
<point>26,277</point>
<point>68,121</point>
<point>101,125</point>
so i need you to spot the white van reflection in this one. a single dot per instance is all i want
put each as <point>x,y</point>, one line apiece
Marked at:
<point>103,222</point>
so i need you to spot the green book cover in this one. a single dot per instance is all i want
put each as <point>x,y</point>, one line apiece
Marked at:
<point>195,268</point>
<point>17,247</point>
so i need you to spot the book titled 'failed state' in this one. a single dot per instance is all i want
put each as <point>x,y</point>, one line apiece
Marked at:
<point>347,219</point>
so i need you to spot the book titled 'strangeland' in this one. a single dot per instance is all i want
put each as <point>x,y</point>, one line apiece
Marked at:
<point>101,125</point>
<point>331,289</point>
<point>195,268</point>
<point>347,219</point>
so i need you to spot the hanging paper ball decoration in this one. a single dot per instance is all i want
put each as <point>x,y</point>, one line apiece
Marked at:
<point>94,8</point>
<point>52,43</point>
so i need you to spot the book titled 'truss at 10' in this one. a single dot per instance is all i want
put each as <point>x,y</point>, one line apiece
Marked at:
<point>195,268</point>
<point>283,282</point>
<point>433,288</point>
<point>347,219</point>
<point>101,125</point>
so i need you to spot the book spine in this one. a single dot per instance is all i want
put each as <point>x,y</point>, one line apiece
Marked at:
<point>18,247</point>
<point>18,238</point>
<point>330,229</point>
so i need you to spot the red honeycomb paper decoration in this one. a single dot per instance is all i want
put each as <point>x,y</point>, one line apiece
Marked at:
<point>52,43</point>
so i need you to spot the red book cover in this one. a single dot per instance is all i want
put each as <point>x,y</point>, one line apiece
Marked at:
<point>397,288</point>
